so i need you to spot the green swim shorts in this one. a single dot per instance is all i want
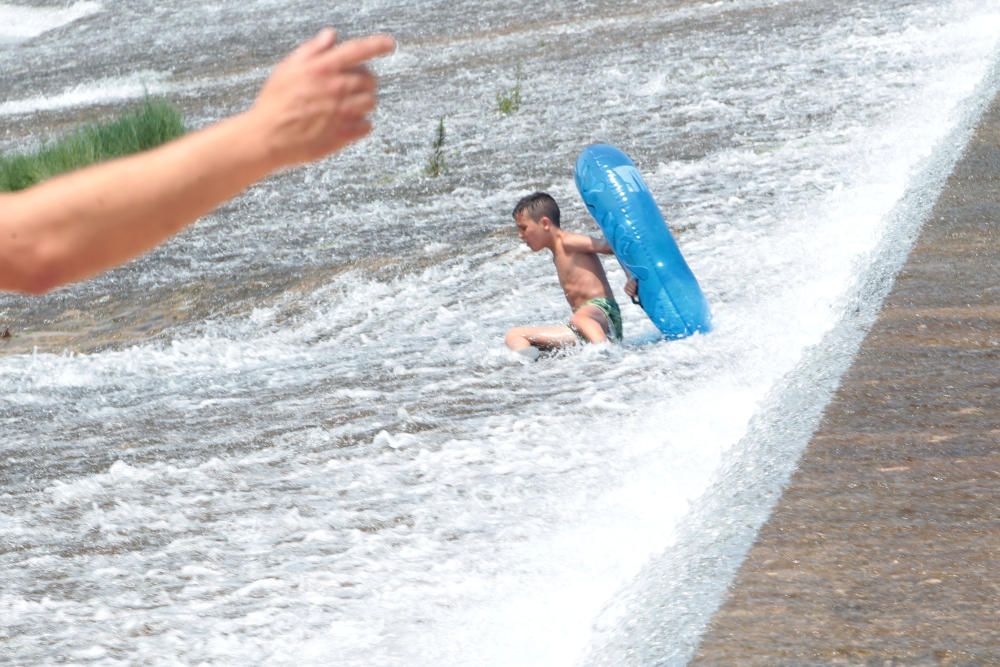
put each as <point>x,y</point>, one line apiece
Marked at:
<point>611,311</point>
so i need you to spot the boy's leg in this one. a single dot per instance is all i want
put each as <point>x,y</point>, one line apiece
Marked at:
<point>592,323</point>
<point>544,338</point>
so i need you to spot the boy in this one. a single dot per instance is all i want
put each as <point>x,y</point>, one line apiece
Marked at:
<point>596,316</point>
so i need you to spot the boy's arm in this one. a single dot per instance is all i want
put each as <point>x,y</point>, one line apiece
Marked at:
<point>581,243</point>
<point>77,225</point>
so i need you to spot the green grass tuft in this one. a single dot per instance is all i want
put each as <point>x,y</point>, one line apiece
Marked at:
<point>152,124</point>
<point>509,101</point>
<point>435,163</point>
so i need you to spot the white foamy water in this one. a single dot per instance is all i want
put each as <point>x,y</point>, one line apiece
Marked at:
<point>19,22</point>
<point>351,470</point>
<point>105,91</point>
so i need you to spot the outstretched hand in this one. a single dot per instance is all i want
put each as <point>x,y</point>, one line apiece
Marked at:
<point>73,226</point>
<point>317,100</point>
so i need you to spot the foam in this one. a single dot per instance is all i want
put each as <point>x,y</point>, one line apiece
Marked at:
<point>19,23</point>
<point>102,91</point>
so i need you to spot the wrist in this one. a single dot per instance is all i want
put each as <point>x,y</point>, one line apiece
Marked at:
<point>254,139</point>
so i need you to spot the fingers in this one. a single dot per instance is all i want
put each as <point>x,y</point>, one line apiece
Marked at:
<point>318,100</point>
<point>355,52</point>
<point>357,80</point>
<point>355,131</point>
<point>323,40</point>
<point>357,105</point>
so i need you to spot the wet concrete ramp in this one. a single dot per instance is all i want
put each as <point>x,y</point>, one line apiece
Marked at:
<point>885,546</point>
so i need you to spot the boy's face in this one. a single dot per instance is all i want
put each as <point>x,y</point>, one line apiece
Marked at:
<point>534,233</point>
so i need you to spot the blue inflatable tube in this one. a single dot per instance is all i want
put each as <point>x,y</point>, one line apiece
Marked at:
<point>617,197</point>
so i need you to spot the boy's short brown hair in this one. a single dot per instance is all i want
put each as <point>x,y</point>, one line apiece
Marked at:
<point>536,205</point>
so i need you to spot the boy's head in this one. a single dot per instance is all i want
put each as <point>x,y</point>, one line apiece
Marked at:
<point>535,216</point>
<point>538,205</point>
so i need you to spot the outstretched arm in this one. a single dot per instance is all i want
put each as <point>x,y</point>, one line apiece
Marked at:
<point>581,243</point>
<point>74,226</point>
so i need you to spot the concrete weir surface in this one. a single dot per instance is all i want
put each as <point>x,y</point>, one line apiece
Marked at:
<point>885,546</point>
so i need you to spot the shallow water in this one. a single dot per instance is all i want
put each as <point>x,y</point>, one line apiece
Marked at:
<point>292,434</point>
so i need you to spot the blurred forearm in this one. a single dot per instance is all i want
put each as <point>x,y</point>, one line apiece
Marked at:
<point>79,224</point>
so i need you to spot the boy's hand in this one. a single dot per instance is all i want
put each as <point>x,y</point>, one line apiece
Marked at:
<point>317,100</point>
<point>632,289</point>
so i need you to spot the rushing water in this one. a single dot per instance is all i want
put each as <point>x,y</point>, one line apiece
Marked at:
<point>293,435</point>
